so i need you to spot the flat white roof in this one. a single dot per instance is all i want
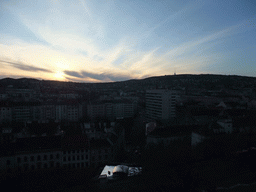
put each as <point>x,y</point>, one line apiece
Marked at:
<point>109,169</point>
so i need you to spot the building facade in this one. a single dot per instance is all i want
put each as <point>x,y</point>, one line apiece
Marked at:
<point>160,104</point>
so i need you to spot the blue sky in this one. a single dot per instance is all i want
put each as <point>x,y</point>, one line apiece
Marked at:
<point>110,40</point>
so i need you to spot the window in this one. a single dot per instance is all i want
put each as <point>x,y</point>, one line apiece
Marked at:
<point>73,151</point>
<point>86,157</point>
<point>25,166</point>
<point>82,151</point>
<point>8,162</point>
<point>45,157</point>
<point>51,156</point>
<point>39,165</point>
<point>57,164</point>
<point>69,152</point>
<point>18,160</point>
<point>32,167</point>
<point>38,158</point>
<point>86,164</point>
<point>58,156</point>
<point>78,157</point>
<point>82,164</point>
<point>45,165</point>
<point>69,158</point>
<point>64,158</point>
<point>32,158</point>
<point>82,157</point>
<point>25,159</point>
<point>74,158</point>
<point>78,165</point>
<point>64,152</point>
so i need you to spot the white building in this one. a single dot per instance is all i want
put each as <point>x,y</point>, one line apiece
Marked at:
<point>160,104</point>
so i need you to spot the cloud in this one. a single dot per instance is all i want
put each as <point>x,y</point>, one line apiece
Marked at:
<point>73,74</point>
<point>105,76</point>
<point>84,6</point>
<point>26,67</point>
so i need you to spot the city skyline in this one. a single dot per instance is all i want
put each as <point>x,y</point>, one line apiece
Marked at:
<point>107,41</point>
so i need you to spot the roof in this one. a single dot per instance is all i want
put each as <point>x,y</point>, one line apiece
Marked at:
<point>108,170</point>
<point>38,143</point>
<point>75,141</point>
<point>178,130</point>
<point>99,143</point>
<point>121,169</point>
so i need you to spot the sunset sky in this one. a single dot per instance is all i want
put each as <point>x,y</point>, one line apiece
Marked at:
<point>116,40</point>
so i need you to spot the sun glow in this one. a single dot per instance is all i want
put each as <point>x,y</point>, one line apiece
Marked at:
<point>59,75</point>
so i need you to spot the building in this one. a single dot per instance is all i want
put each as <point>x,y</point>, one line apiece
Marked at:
<point>70,111</point>
<point>26,94</point>
<point>101,152</point>
<point>160,104</point>
<point>74,151</point>
<point>187,134</point>
<point>112,109</point>
<point>5,113</point>
<point>31,153</point>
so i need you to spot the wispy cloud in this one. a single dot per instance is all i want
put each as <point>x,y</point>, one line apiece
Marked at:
<point>98,76</point>
<point>25,67</point>
<point>85,8</point>
<point>73,74</point>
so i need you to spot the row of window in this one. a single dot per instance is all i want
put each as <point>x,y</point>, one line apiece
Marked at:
<point>100,157</point>
<point>76,165</point>
<point>39,158</point>
<point>41,165</point>
<point>74,158</point>
<point>75,151</point>
<point>65,158</point>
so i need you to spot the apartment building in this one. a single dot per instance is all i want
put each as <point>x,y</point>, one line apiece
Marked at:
<point>5,113</point>
<point>54,152</point>
<point>112,109</point>
<point>160,104</point>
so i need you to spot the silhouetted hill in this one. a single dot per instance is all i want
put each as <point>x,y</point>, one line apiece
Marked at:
<point>204,81</point>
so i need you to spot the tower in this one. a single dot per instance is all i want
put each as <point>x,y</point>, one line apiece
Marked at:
<point>160,104</point>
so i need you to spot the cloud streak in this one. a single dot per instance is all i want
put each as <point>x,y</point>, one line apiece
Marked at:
<point>26,67</point>
<point>98,76</point>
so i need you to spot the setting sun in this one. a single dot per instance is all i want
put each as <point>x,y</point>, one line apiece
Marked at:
<point>59,75</point>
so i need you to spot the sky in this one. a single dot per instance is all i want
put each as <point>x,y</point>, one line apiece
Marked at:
<point>117,40</point>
